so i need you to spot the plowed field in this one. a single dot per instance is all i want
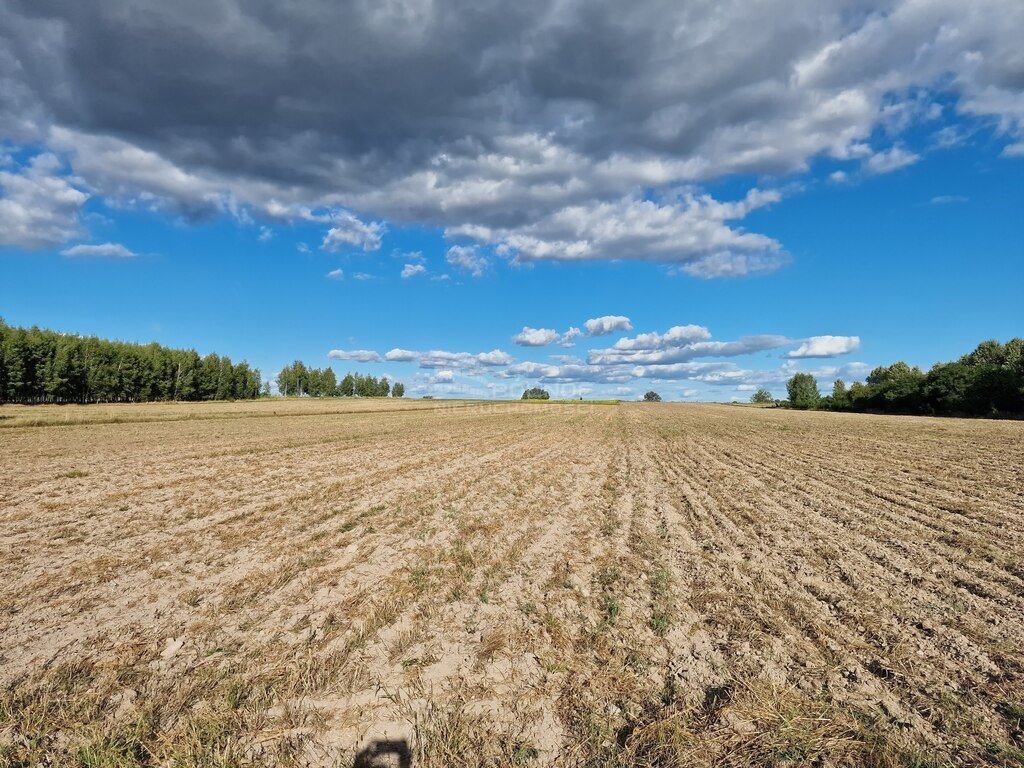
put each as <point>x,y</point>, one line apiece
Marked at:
<point>511,584</point>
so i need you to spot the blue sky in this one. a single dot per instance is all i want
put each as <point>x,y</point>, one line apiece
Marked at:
<point>826,238</point>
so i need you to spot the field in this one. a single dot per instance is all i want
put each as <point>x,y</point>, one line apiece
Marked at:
<point>304,582</point>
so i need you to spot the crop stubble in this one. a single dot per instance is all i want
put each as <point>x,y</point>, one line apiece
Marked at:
<point>287,582</point>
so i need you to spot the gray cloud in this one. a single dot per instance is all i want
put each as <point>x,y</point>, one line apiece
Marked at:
<point>538,129</point>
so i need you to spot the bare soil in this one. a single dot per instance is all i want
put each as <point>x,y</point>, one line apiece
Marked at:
<point>323,583</point>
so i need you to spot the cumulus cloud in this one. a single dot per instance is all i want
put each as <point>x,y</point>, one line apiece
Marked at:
<point>39,206</point>
<point>541,138</point>
<point>439,358</point>
<point>350,231</point>
<point>411,270</point>
<point>674,336</point>
<point>688,229</point>
<point>495,357</point>
<point>99,250</point>
<point>444,376</point>
<point>360,355</point>
<point>602,326</point>
<point>467,258</point>
<point>569,337</point>
<point>536,337</point>
<point>826,346</point>
<point>336,274</point>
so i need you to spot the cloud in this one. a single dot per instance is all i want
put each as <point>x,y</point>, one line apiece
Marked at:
<point>101,251</point>
<point>350,231</point>
<point>444,376</point>
<point>689,393</point>
<point>559,132</point>
<point>948,199</point>
<point>411,270</point>
<point>685,229</point>
<point>838,177</point>
<point>495,357</point>
<point>568,338</point>
<point>602,326</point>
<point>890,160</point>
<point>536,337</point>
<point>467,258</point>
<point>674,336</point>
<point>464,361</point>
<point>826,346</point>
<point>336,274</point>
<point>266,233</point>
<point>360,355</point>
<point>39,206</point>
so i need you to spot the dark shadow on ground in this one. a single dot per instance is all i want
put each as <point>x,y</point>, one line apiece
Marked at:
<point>385,754</point>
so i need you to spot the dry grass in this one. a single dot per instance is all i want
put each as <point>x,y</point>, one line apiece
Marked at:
<point>286,583</point>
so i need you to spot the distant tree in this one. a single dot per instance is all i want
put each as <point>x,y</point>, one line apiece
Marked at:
<point>652,397</point>
<point>328,383</point>
<point>347,388</point>
<point>384,388</point>
<point>41,366</point>
<point>398,390</point>
<point>536,393</point>
<point>803,391</point>
<point>840,397</point>
<point>762,396</point>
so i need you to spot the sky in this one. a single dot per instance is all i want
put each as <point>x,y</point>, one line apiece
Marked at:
<point>596,198</point>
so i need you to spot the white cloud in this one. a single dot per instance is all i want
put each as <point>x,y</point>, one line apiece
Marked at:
<point>689,230</point>
<point>444,376</point>
<point>336,274</point>
<point>536,337</point>
<point>602,326</point>
<point>674,336</point>
<point>360,355</point>
<point>467,258</point>
<point>838,177</point>
<point>948,199</point>
<point>890,160</point>
<point>401,355</point>
<point>39,207</point>
<point>495,357</point>
<point>465,361</point>
<point>101,251</point>
<point>349,230</point>
<point>569,337</point>
<point>826,346</point>
<point>266,233</point>
<point>411,270</point>
<point>689,393</point>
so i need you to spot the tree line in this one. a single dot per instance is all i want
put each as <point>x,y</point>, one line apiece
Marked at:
<point>298,379</point>
<point>986,382</point>
<point>42,366</point>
